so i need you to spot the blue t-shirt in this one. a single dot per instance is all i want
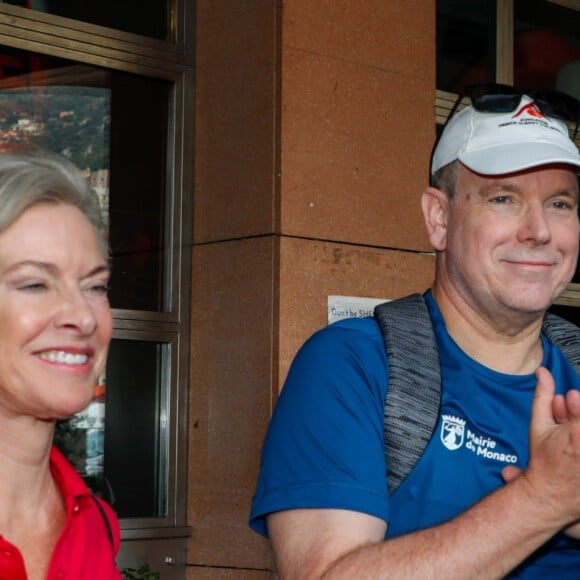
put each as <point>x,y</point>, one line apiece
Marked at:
<point>324,447</point>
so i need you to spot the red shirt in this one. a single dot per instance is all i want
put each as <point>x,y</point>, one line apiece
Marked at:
<point>83,550</point>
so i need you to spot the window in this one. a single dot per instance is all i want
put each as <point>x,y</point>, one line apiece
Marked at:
<point>529,43</point>
<point>111,87</point>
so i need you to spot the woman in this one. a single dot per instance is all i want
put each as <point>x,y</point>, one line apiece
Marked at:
<point>55,329</point>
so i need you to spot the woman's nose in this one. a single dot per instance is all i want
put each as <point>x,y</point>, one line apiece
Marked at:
<point>76,312</point>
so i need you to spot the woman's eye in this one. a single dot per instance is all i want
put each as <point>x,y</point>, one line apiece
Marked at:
<point>33,287</point>
<point>99,289</point>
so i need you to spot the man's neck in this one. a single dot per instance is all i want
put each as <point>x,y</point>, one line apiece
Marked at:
<point>512,347</point>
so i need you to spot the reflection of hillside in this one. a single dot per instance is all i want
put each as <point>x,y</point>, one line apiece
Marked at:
<point>65,110</point>
<point>10,108</point>
<point>73,120</point>
<point>23,134</point>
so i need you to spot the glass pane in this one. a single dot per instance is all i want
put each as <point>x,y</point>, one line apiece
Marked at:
<point>135,450</point>
<point>118,444</point>
<point>139,112</point>
<point>100,119</point>
<point>465,43</point>
<point>145,17</point>
<point>82,439</point>
<point>546,46</point>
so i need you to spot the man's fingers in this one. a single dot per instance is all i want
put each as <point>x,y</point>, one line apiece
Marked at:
<point>542,408</point>
<point>510,472</point>
<point>560,409</point>
<point>573,404</point>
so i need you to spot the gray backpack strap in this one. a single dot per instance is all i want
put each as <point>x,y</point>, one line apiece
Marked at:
<point>413,397</point>
<point>414,390</point>
<point>565,335</point>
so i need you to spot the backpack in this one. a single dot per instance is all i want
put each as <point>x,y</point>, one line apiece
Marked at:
<point>413,399</point>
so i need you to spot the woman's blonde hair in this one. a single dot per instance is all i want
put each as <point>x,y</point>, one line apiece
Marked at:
<point>40,177</point>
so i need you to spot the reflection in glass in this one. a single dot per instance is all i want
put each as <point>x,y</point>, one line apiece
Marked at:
<point>101,120</point>
<point>465,43</point>
<point>135,438</point>
<point>82,439</point>
<point>71,120</point>
<point>138,184</point>
<point>546,46</point>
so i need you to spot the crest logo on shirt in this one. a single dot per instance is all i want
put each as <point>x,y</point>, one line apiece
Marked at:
<point>452,432</point>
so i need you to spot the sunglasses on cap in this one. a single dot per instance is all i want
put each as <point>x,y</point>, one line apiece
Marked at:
<point>498,98</point>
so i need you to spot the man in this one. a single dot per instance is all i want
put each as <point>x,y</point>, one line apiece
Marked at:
<point>497,491</point>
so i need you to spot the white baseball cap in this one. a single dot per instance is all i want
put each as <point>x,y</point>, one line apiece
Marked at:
<point>500,143</point>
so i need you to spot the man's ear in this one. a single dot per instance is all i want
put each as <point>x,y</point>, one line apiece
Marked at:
<point>435,204</point>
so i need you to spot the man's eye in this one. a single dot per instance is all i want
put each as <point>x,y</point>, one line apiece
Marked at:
<point>561,204</point>
<point>500,199</point>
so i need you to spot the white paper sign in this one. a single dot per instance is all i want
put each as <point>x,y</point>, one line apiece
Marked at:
<point>340,307</point>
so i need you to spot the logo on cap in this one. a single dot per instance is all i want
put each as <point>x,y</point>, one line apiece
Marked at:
<point>531,109</point>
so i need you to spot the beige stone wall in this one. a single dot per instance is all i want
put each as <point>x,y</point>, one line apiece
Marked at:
<point>314,124</point>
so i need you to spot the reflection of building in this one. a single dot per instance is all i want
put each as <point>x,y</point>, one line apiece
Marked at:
<point>19,134</point>
<point>100,183</point>
<point>82,438</point>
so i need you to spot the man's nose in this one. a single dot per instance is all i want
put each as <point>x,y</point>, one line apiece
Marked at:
<point>535,227</point>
